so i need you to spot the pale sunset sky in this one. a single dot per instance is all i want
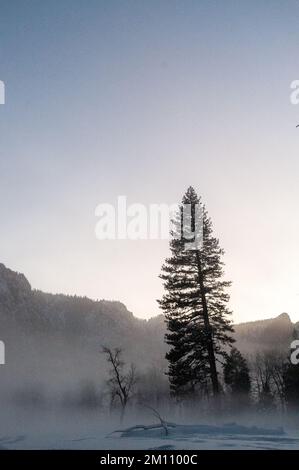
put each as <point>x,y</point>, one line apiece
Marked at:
<point>143,99</point>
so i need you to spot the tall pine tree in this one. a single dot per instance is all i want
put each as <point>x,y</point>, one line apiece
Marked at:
<point>195,302</point>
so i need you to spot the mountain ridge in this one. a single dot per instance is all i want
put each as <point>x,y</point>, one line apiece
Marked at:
<point>15,279</point>
<point>54,340</point>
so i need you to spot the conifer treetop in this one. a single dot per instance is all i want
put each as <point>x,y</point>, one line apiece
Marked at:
<point>190,196</point>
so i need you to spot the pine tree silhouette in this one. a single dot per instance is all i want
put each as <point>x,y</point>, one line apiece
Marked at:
<point>195,302</point>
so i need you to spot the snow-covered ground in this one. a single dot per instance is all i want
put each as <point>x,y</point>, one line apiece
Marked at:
<point>50,431</point>
<point>228,436</point>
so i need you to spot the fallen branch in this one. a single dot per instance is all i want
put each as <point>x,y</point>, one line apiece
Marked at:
<point>164,423</point>
<point>143,427</point>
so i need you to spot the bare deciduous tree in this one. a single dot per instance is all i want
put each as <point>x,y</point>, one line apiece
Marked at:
<point>121,383</point>
<point>268,376</point>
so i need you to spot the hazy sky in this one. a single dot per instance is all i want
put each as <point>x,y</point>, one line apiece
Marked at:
<point>144,98</point>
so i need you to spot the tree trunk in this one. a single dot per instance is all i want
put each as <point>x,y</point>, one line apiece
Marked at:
<point>210,345</point>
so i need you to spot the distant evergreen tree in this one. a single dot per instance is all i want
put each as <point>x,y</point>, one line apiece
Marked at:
<point>237,377</point>
<point>291,381</point>
<point>195,303</point>
<point>236,372</point>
